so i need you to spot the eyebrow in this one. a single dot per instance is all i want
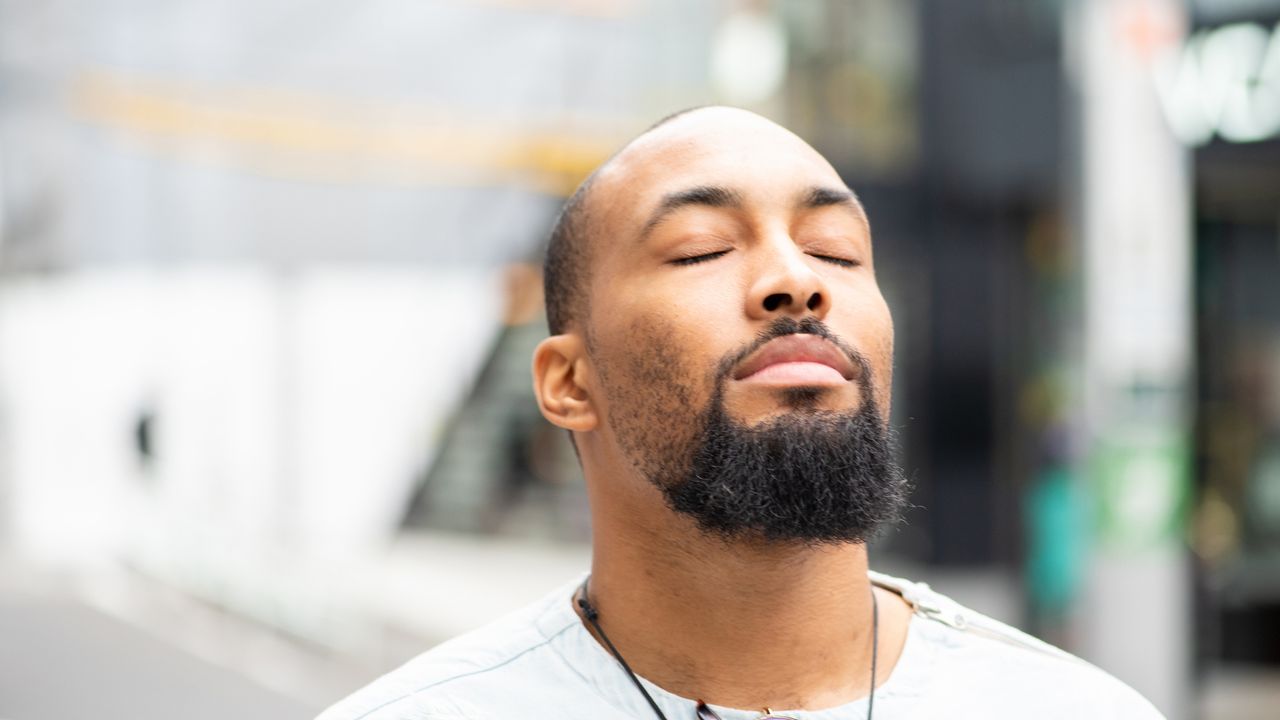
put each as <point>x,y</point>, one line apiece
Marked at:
<point>823,196</point>
<point>717,196</point>
<point>817,197</point>
<point>705,195</point>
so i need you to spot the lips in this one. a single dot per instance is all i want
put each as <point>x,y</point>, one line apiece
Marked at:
<point>797,359</point>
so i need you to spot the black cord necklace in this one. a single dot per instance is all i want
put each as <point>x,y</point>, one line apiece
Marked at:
<point>705,713</point>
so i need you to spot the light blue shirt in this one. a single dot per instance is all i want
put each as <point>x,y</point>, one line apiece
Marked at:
<point>540,663</point>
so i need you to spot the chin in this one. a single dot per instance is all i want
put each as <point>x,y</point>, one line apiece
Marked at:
<point>761,404</point>
<point>817,399</point>
<point>800,405</point>
<point>806,398</point>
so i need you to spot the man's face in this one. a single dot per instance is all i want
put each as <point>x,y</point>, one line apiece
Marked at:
<point>733,293</point>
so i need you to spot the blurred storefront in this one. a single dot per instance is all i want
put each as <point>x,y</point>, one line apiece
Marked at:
<point>1224,100</point>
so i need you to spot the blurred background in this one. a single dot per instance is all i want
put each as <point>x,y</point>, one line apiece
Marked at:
<point>269,285</point>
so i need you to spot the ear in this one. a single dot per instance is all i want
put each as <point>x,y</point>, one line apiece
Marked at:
<point>559,370</point>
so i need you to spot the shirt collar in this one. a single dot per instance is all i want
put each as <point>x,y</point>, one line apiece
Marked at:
<point>580,651</point>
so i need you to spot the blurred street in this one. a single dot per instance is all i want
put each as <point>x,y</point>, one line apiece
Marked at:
<point>114,644</point>
<point>65,660</point>
<point>66,655</point>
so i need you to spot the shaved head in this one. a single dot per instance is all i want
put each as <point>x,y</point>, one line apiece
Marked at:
<point>572,244</point>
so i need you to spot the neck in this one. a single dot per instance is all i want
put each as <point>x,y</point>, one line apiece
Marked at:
<point>742,624</point>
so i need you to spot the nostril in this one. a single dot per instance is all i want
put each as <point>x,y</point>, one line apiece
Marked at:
<point>814,301</point>
<point>776,300</point>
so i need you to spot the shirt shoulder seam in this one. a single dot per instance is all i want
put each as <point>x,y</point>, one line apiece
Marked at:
<point>479,671</point>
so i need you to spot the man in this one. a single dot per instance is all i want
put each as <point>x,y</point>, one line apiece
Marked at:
<point>721,354</point>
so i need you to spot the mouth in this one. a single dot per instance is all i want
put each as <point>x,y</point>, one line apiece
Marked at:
<point>797,359</point>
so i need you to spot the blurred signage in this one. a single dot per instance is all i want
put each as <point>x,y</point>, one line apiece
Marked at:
<point>1141,476</point>
<point>1224,82</point>
<point>1138,344</point>
<point>1137,278</point>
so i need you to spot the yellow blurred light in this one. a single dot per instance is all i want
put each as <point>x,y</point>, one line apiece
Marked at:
<point>315,138</point>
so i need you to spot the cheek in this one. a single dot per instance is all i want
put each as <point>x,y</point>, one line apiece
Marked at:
<point>649,391</point>
<point>645,360</point>
<point>882,351</point>
<point>657,329</point>
<point>872,334</point>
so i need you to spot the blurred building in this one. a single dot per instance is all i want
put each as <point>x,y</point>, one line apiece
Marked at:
<point>1224,101</point>
<point>254,251</point>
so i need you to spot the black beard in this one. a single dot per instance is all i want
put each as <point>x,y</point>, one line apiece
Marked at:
<point>810,477</point>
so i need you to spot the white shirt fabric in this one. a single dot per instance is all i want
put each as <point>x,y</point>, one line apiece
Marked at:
<point>540,663</point>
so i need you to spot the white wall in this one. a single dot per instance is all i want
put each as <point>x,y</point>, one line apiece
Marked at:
<point>292,412</point>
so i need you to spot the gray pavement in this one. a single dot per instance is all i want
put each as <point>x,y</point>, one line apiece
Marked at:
<point>60,660</point>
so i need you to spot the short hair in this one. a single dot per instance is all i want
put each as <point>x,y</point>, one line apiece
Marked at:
<point>565,269</point>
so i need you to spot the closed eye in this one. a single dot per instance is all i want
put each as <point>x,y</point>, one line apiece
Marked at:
<point>695,259</point>
<point>842,262</point>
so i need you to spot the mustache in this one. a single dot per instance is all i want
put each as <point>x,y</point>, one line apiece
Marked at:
<point>784,326</point>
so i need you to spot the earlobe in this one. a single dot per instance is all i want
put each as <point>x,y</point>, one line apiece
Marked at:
<point>559,383</point>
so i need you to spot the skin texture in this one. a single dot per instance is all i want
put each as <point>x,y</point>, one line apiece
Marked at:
<point>741,622</point>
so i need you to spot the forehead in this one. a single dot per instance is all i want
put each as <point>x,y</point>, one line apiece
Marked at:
<point>764,163</point>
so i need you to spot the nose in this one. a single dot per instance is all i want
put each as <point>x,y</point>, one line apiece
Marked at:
<point>786,284</point>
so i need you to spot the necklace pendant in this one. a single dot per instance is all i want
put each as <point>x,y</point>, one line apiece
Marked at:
<point>706,713</point>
